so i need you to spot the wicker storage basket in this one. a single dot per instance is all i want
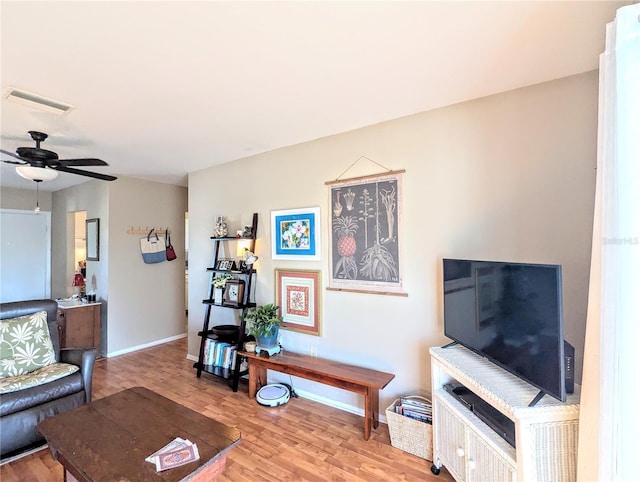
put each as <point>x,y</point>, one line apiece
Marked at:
<point>410,435</point>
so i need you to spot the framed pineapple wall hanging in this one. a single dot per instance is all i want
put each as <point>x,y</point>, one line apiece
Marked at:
<point>365,233</point>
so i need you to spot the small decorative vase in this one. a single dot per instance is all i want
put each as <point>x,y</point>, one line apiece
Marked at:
<point>220,231</point>
<point>217,295</point>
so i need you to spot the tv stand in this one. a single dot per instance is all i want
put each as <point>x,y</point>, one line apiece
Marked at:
<point>546,435</point>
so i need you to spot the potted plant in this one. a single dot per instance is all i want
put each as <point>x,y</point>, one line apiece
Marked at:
<point>219,281</point>
<point>264,323</point>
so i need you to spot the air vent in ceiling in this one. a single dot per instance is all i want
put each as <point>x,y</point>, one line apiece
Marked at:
<point>34,100</point>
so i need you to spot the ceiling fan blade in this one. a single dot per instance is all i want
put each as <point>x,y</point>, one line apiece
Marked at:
<point>82,162</point>
<point>13,155</point>
<point>81,172</point>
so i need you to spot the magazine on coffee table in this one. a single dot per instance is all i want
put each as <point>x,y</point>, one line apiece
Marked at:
<point>176,453</point>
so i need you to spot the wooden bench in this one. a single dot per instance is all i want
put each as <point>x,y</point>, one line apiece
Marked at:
<point>364,381</point>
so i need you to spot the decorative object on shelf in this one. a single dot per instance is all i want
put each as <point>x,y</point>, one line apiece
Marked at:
<point>218,294</point>
<point>298,293</point>
<point>92,236</point>
<point>365,233</point>
<point>78,283</point>
<point>248,232</point>
<point>152,248</point>
<point>171,253</point>
<point>225,264</point>
<point>220,280</point>
<point>234,293</point>
<point>225,332</point>
<point>220,230</point>
<point>296,234</point>
<point>249,258</point>
<point>264,324</point>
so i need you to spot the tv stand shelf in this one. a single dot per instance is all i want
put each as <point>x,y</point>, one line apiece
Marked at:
<point>546,434</point>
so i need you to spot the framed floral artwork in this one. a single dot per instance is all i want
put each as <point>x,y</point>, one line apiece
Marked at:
<point>298,296</point>
<point>295,234</point>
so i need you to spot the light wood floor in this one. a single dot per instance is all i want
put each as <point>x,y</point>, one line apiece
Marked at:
<point>302,440</point>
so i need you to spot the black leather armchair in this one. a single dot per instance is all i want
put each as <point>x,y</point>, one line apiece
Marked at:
<point>22,410</point>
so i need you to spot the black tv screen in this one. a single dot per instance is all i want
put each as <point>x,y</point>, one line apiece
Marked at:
<point>510,313</point>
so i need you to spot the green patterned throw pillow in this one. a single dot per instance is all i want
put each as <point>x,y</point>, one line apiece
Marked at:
<point>25,344</point>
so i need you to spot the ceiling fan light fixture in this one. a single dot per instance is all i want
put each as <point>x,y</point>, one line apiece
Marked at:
<point>37,101</point>
<point>36,173</point>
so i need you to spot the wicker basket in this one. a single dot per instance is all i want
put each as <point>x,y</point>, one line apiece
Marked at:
<point>410,435</point>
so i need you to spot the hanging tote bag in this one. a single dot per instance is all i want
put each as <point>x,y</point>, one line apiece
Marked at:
<point>153,248</point>
<point>171,253</point>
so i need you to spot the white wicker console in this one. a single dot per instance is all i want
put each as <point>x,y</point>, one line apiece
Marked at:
<point>546,434</point>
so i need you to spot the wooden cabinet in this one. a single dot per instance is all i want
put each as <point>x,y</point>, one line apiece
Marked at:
<point>472,451</point>
<point>546,434</point>
<point>79,326</point>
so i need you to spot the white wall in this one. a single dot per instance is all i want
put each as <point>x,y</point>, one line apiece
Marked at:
<point>141,304</point>
<point>12,198</point>
<point>507,177</point>
<point>92,197</point>
<point>146,301</point>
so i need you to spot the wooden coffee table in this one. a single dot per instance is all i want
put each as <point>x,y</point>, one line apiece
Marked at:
<point>108,440</point>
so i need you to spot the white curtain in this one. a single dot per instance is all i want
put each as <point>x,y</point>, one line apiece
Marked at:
<point>610,402</point>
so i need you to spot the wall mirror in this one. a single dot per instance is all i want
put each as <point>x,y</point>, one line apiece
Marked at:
<point>93,239</point>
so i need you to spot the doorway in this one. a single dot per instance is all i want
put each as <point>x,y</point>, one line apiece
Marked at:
<point>25,255</point>
<point>78,260</point>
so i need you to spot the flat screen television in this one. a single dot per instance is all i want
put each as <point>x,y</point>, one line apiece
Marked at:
<point>510,313</point>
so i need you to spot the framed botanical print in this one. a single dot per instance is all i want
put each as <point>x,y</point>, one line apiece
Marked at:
<point>365,235</point>
<point>298,295</point>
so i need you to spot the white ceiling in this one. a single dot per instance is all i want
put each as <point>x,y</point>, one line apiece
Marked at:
<point>162,89</point>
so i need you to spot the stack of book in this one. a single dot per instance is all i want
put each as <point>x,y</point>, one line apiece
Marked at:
<point>219,354</point>
<point>415,408</point>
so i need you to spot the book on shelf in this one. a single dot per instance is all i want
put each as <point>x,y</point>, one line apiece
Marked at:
<point>217,353</point>
<point>222,354</point>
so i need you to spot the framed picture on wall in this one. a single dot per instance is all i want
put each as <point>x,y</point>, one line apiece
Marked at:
<point>92,235</point>
<point>295,234</point>
<point>365,235</point>
<point>298,296</point>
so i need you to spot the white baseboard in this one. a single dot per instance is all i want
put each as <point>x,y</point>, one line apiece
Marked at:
<point>146,345</point>
<point>339,405</point>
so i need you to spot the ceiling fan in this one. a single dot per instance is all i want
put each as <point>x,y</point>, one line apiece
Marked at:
<point>40,165</point>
